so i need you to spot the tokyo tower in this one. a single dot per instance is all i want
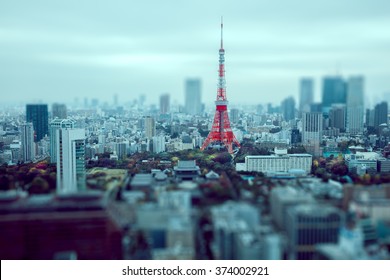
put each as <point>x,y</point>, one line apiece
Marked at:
<point>221,132</point>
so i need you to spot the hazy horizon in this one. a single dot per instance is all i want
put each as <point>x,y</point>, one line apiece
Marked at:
<point>54,51</point>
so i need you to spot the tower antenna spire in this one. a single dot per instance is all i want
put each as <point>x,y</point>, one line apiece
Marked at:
<point>221,32</point>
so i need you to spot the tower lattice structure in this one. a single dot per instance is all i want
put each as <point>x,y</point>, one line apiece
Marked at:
<point>221,131</point>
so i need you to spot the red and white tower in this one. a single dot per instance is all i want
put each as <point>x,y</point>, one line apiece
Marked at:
<point>221,132</point>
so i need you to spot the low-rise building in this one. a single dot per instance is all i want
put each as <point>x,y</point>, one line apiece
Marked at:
<point>280,162</point>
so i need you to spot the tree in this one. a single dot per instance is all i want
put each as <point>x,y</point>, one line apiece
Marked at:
<point>39,186</point>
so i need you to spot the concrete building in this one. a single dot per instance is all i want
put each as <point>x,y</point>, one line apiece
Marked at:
<point>150,127</point>
<point>288,108</point>
<point>306,94</point>
<point>164,103</point>
<point>337,117</point>
<point>312,127</point>
<point>55,125</point>
<point>158,144</point>
<point>280,162</point>
<point>380,114</point>
<point>309,225</point>
<point>334,91</point>
<point>59,111</point>
<point>281,199</point>
<point>234,115</point>
<point>27,139</point>
<point>193,105</point>
<point>71,176</point>
<point>38,115</point>
<point>71,226</point>
<point>355,105</point>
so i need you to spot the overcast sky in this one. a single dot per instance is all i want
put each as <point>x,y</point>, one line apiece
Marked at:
<point>58,50</point>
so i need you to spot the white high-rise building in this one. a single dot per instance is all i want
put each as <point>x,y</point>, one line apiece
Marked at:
<point>355,105</point>
<point>193,104</point>
<point>27,139</point>
<point>71,159</point>
<point>150,127</point>
<point>158,144</point>
<point>54,126</point>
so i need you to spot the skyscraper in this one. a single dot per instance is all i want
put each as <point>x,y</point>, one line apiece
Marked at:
<point>59,111</point>
<point>71,160</point>
<point>288,108</point>
<point>164,103</point>
<point>337,116</point>
<point>312,132</point>
<point>38,115</point>
<point>28,145</point>
<point>355,105</point>
<point>306,94</point>
<point>333,92</point>
<point>381,112</point>
<point>54,126</point>
<point>193,104</point>
<point>150,127</point>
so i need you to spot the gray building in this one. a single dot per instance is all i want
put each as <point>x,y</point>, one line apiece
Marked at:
<point>28,145</point>
<point>306,94</point>
<point>309,225</point>
<point>38,115</point>
<point>334,91</point>
<point>193,105</point>
<point>355,105</point>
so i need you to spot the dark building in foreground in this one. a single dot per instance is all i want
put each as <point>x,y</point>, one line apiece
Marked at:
<point>309,225</point>
<point>38,115</point>
<point>47,227</point>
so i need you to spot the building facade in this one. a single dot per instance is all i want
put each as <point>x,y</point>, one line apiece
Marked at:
<point>355,105</point>
<point>59,111</point>
<point>193,104</point>
<point>164,103</point>
<point>306,94</point>
<point>54,126</point>
<point>334,91</point>
<point>150,127</point>
<point>71,175</point>
<point>28,145</point>
<point>38,115</point>
<point>279,163</point>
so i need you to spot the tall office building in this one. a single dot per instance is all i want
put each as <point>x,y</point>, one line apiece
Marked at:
<point>306,94</point>
<point>311,224</point>
<point>59,111</point>
<point>381,113</point>
<point>288,108</point>
<point>38,115</point>
<point>71,175</point>
<point>158,144</point>
<point>164,103</point>
<point>234,115</point>
<point>334,91</point>
<point>28,145</point>
<point>54,126</point>
<point>337,116</point>
<point>150,127</point>
<point>355,105</point>
<point>193,105</point>
<point>312,126</point>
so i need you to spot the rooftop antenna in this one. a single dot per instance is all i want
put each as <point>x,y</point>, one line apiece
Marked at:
<point>221,32</point>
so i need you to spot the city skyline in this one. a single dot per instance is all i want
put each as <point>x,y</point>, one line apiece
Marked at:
<point>53,52</point>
